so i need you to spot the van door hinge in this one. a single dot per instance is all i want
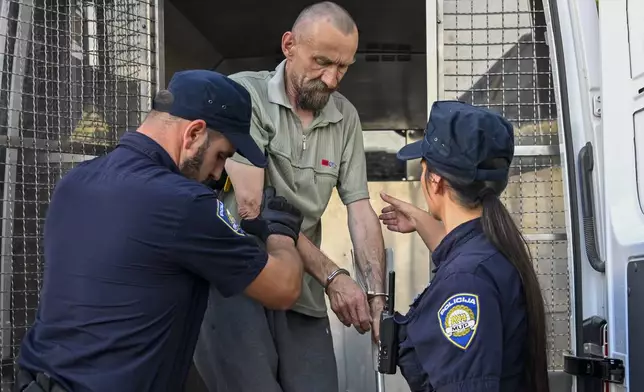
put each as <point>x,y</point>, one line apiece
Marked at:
<point>606,369</point>
<point>597,105</point>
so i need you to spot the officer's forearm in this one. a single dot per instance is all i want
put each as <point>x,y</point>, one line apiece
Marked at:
<point>283,249</point>
<point>368,244</point>
<point>316,263</point>
<point>430,230</point>
<point>279,284</point>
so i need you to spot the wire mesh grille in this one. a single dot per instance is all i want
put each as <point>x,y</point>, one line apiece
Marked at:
<point>75,76</point>
<point>495,54</point>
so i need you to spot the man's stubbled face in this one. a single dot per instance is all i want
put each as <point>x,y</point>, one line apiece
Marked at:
<point>207,162</point>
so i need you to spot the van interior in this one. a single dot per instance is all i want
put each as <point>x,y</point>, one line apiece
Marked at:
<point>491,52</point>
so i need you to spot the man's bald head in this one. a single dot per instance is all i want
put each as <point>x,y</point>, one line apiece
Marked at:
<point>325,11</point>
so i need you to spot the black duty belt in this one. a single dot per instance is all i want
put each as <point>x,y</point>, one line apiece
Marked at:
<point>40,382</point>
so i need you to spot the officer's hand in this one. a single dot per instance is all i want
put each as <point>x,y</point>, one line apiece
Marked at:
<point>349,303</point>
<point>283,218</point>
<point>399,216</point>
<point>277,216</point>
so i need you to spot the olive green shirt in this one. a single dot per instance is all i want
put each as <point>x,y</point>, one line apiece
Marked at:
<point>304,165</point>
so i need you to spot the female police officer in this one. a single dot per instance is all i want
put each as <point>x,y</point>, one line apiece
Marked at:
<point>480,325</point>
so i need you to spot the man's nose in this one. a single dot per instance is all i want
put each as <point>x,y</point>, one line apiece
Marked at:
<point>330,78</point>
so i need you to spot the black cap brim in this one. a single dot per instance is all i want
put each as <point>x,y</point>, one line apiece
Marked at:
<point>411,151</point>
<point>246,147</point>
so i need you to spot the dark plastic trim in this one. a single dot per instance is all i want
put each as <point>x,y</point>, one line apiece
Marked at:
<point>586,165</point>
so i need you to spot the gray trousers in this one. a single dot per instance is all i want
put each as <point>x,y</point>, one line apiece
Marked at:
<point>244,347</point>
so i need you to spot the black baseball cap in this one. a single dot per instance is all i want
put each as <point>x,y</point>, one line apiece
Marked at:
<point>459,137</point>
<point>222,103</point>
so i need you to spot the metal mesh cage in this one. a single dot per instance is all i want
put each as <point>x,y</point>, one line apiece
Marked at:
<point>75,75</point>
<point>495,54</point>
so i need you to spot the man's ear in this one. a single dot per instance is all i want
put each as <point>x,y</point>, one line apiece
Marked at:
<point>193,132</point>
<point>288,41</point>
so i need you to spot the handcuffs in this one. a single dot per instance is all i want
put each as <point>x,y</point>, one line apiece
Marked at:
<point>341,271</point>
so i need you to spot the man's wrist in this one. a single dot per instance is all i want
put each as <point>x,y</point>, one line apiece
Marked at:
<point>377,298</point>
<point>334,275</point>
<point>377,302</point>
<point>376,294</point>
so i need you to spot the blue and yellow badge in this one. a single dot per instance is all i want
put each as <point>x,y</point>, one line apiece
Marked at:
<point>459,318</point>
<point>228,218</point>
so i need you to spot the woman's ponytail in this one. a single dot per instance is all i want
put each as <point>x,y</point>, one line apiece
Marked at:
<point>502,232</point>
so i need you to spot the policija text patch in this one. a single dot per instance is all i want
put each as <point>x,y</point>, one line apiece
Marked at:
<point>459,318</point>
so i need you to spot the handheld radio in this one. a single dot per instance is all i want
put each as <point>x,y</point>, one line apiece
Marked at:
<point>388,347</point>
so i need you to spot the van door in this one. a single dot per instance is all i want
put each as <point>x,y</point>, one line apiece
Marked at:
<point>622,68</point>
<point>573,35</point>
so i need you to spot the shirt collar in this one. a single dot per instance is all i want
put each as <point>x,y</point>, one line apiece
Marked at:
<point>277,95</point>
<point>144,144</point>
<point>454,239</point>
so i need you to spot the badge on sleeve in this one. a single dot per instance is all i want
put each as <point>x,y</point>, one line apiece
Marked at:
<point>228,218</point>
<point>459,318</point>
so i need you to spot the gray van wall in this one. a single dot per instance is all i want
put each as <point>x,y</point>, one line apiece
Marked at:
<point>185,46</point>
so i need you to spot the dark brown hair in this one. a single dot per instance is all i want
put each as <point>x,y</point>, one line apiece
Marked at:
<point>501,230</point>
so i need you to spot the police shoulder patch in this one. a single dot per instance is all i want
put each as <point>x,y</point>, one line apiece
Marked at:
<point>228,218</point>
<point>458,317</point>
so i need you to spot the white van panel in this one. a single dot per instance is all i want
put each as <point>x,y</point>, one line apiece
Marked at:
<point>622,100</point>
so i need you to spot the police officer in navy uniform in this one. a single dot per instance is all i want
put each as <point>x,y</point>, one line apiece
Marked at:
<point>133,240</point>
<point>480,325</point>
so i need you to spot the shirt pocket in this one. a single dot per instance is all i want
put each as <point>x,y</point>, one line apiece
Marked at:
<point>325,162</point>
<point>324,180</point>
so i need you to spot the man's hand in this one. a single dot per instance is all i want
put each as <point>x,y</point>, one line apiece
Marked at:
<point>349,303</point>
<point>277,216</point>
<point>377,305</point>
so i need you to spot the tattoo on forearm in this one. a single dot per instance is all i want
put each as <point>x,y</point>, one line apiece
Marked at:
<point>371,273</point>
<point>368,271</point>
<point>376,276</point>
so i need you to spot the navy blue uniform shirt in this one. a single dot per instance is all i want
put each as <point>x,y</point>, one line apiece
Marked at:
<point>467,331</point>
<point>131,247</point>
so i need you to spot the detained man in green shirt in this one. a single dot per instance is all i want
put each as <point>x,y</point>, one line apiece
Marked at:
<point>313,140</point>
